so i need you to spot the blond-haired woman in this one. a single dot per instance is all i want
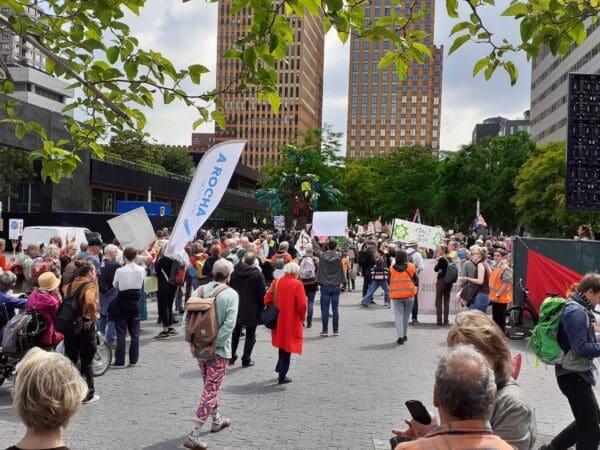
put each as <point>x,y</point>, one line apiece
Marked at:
<point>481,300</point>
<point>48,392</point>
<point>513,416</point>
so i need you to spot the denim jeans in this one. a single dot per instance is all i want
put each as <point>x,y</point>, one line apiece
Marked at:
<point>402,313</point>
<point>107,328</point>
<point>310,295</point>
<point>481,302</point>
<point>373,287</point>
<point>330,295</point>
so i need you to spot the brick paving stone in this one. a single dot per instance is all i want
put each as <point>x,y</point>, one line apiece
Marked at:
<point>347,391</point>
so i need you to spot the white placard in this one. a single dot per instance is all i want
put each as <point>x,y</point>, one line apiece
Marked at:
<point>303,240</point>
<point>424,235</point>
<point>206,190</point>
<point>133,229</point>
<point>15,229</point>
<point>330,223</point>
<point>279,221</point>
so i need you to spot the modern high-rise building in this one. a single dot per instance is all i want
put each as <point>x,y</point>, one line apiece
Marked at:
<point>27,67</point>
<point>385,112</point>
<point>300,84</point>
<point>550,85</point>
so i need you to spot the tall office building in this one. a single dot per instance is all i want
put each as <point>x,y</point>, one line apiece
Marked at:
<point>27,67</point>
<point>385,112</point>
<point>300,84</point>
<point>550,85</point>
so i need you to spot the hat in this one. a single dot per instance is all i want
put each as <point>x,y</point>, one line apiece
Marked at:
<point>95,242</point>
<point>48,282</point>
<point>412,244</point>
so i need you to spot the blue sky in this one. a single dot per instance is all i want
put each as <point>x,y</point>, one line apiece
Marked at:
<point>187,34</point>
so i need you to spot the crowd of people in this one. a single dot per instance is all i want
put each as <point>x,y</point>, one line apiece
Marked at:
<point>480,403</point>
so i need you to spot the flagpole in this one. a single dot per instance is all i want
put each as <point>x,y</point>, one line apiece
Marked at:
<point>477,209</point>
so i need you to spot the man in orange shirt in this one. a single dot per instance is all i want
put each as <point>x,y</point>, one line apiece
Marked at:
<point>464,392</point>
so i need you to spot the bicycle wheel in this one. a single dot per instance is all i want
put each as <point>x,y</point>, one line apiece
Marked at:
<point>102,358</point>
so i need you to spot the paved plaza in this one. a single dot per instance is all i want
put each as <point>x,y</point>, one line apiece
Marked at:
<point>347,391</point>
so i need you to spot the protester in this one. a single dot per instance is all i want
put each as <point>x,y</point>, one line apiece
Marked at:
<point>415,257</point>
<point>309,266</point>
<point>81,347</point>
<point>500,287</point>
<point>330,277</point>
<point>249,283</point>
<point>32,257</point>
<point>45,301</point>
<point>48,392</point>
<point>108,293</point>
<point>280,259</point>
<point>403,290</point>
<point>585,233</point>
<point>513,417</point>
<point>213,359</point>
<point>379,277</point>
<point>4,264</point>
<point>129,281</point>
<point>481,300</point>
<point>366,260</point>
<point>8,302</point>
<point>287,293</point>
<point>442,289</point>
<point>576,375</point>
<point>69,253</point>
<point>165,297</point>
<point>464,395</point>
<point>215,255</point>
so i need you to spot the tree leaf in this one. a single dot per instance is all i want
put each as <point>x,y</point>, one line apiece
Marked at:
<point>480,65</point>
<point>458,42</point>
<point>516,9</point>
<point>112,54</point>
<point>219,118</point>
<point>452,8</point>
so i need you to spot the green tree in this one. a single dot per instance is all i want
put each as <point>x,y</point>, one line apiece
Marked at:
<point>540,195</point>
<point>359,186</point>
<point>131,146</point>
<point>15,168</point>
<point>89,44</point>
<point>314,158</point>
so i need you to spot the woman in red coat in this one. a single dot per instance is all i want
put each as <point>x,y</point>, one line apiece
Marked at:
<point>288,294</point>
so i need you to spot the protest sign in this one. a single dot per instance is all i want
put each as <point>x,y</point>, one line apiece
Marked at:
<point>279,221</point>
<point>15,229</point>
<point>133,229</point>
<point>330,223</point>
<point>302,242</point>
<point>211,178</point>
<point>424,235</point>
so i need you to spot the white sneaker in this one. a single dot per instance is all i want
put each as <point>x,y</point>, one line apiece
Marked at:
<point>95,398</point>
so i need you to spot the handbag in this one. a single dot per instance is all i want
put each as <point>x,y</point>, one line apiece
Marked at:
<point>468,292</point>
<point>269,315</point>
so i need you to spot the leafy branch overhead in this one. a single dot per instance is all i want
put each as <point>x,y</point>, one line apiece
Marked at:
<point>89,44</point>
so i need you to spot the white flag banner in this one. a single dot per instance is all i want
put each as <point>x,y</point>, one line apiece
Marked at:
<point>330,223</point>
<point>133,229</point>
<point>303,240</point>
<point>424,235</point>
<point>206,190</point>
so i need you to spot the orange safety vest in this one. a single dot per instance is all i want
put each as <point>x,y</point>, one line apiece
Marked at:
<point>496,284</point>
<point>402,284</point>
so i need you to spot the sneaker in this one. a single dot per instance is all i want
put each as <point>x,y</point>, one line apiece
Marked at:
<point>387,305</point>
<point>232,360</point>
<point>224,422</point>
<point>400,341</point>
<point>92,399</point>
<point>173,331</point>
<point>132,365</point>
<point>286,380</point>
<point>324,334</point>
<point>118,366</point>
<point>248,364</point>
<point>162,335</point>
<point>194,444</point>
<point>415,322</point>
<point>308,323</point>
<point>336,333</point>
<point>405,339</point>
<point>362,305</point>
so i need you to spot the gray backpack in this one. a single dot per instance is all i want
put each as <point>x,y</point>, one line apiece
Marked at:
<point>20,332</point>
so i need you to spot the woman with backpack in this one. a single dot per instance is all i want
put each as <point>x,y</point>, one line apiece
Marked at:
<point>80,344</point>
<point>45,301</point>
<point>402,292</point>
<point>481,300</point>
<point>309,265</point>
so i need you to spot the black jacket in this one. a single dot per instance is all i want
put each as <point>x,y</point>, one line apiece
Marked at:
<point>249,283</point>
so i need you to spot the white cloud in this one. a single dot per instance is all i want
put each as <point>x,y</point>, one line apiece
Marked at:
<point>187,34</point>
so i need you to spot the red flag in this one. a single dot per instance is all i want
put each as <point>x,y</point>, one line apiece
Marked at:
<point>416,216</point>
<point>545,275</point>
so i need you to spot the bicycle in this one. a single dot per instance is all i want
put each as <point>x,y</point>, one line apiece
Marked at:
<point>522,317</point>
<point>102,358</point>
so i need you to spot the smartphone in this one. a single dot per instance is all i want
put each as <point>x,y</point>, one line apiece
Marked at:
<point>418,412</point>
